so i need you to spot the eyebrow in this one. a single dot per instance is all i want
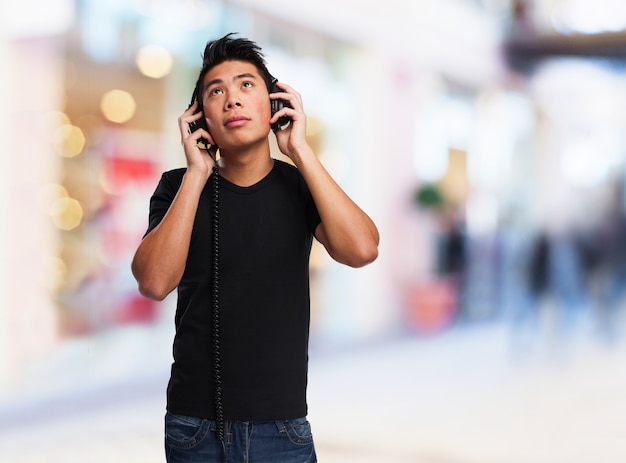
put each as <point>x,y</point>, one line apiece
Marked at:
<point>245,75</point>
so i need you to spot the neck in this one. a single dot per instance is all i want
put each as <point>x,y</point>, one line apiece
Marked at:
<point>245,168</point>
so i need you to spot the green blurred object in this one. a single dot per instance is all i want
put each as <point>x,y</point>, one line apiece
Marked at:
<point>428,196</point>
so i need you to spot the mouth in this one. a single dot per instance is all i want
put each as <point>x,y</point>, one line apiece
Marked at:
<point>236,121</point>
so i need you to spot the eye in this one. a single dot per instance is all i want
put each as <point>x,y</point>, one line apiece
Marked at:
<point>247,84</point>
<point>215,91</point>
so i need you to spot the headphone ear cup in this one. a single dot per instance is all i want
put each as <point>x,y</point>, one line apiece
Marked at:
<point>277,105</point>
<point>283,120</point>
<point>203,143</point>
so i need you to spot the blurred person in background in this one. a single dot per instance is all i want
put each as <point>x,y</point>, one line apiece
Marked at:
<point>606,264</point>
<point>237,389</point>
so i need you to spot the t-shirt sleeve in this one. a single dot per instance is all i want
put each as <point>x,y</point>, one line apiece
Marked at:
<point>162,197</point>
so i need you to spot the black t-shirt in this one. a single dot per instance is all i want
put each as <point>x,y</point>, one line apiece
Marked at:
<point>265,237</point>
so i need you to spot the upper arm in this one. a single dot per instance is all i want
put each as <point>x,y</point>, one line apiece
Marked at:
<point>162,198</point>
<point>322,236</point>
<point>351,251</point>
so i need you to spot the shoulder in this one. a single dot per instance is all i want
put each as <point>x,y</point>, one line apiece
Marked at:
<point>295,184</point>
<point>174,175</point>
<point>285,167</point>
<point>172,179</point>
<point>169,183</point>
<point>288,172</point>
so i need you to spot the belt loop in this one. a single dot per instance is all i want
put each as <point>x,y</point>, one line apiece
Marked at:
<point>280,425</point>
<point>228,431</point>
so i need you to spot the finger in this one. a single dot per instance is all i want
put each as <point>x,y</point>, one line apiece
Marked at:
<point>286,90</point>
<point>187,135</point>
<point>191,117</point>
<point>192,110</point>
<point>201,133</point>
<point>202,141</point>
<point>285,87</point>
<point>192,107</point>
<point>294,100</point>
<point>293,113</point>
<point>185,123</point>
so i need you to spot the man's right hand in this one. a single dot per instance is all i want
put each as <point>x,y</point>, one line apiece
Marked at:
<point>198,160</point>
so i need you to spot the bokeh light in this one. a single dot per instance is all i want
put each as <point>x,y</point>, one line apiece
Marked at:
<point>69,140</point>
<point>49,194</point>
<point>56,269</point>
<point>67,213</point>
<point>154,61</point>
<point>118,106</point>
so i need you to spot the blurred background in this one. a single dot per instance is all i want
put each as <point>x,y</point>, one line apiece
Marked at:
<point>486,138</point>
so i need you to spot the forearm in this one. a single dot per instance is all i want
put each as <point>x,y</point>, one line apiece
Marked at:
<point>159,263</point>
<point>346,231</point>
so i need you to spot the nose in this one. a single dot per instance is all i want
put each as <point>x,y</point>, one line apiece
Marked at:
<point>233,101</point>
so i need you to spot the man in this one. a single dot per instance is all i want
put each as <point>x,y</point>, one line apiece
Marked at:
<point>238,383</point>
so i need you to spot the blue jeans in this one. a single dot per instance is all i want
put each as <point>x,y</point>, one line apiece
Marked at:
<point>194,440</point>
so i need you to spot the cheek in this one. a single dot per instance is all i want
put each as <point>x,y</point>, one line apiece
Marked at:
<point>210,117</point>
<point>263,108</point>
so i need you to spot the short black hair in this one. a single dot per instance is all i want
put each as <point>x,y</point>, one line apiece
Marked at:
<point>229,48</point>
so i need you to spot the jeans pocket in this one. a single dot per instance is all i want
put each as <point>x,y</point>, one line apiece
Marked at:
<point>298,431</point>
<point>184,432</point>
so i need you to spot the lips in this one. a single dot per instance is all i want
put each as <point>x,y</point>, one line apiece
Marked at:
<point>236,121</point>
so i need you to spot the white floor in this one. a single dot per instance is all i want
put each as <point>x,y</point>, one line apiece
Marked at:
<point>462,397</point>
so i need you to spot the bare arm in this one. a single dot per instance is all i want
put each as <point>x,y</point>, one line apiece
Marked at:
<point>348,234</point>
<point>159,262</point>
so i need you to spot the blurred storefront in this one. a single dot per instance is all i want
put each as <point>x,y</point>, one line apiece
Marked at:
<point>463,128</point>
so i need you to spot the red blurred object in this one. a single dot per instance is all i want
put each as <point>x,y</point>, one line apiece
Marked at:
<point>432,306</point>
<point>135,309</point>
<point>122,171</point>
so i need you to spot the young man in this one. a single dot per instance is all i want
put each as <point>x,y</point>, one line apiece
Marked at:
<point>249,403</point>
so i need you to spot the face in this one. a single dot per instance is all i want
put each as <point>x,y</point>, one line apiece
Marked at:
<point>236,105</point>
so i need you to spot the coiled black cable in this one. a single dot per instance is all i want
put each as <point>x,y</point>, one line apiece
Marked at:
<point>217,368</point>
